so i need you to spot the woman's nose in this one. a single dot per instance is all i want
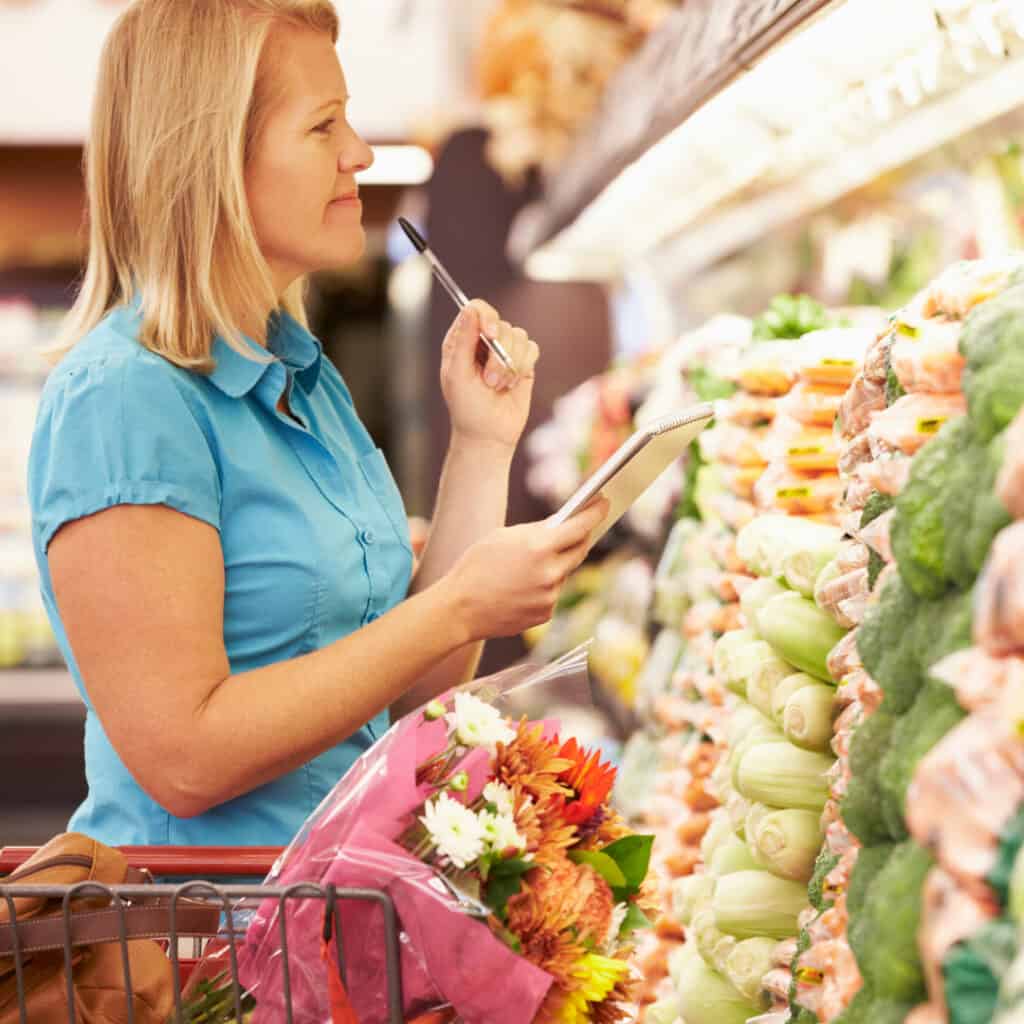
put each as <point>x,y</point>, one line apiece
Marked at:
<point>355,155</point>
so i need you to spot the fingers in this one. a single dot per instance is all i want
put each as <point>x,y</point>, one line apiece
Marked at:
<point>521,350</point>
<point>579,528</point>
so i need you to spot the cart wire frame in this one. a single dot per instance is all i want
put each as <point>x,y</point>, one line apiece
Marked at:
<point>228,898</point>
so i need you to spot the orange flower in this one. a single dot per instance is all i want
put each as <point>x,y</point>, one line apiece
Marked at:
<point>531,762</point>
<point>590,780</point>
<point>547,836</point>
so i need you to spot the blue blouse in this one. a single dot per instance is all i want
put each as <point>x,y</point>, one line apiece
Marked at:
<point>312,528</point>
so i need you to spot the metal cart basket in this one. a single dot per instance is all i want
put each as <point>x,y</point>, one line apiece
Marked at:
<point>184,941</point>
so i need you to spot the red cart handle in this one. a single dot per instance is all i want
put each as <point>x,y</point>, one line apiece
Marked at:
<point>213,861</point>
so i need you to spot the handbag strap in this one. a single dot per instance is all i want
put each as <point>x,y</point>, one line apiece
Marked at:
<point>150,920</point>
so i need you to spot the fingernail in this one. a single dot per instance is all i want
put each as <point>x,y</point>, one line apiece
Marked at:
<point>492,378</point>
<point>491,330</point>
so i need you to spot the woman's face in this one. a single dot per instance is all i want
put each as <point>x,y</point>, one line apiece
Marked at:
<point>300,178</point>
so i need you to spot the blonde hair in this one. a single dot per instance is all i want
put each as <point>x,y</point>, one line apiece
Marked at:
<point>179,102</point>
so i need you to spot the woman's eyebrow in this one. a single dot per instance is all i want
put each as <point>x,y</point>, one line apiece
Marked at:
<point>335,101</point>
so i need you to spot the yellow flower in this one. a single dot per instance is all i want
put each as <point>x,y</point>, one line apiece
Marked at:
<point>595,977</point>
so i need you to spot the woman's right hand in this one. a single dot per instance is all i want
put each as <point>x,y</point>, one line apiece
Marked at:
<point>509,581</point>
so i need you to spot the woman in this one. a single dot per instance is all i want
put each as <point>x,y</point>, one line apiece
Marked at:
<point>224,554</point>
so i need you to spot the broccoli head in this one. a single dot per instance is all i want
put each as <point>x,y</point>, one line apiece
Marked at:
<point>883,936</point>
<point>886,643</point>
<point>932,715</point>
<point>864,1008</point>
<point>860,805</point>
<point>992,342</point>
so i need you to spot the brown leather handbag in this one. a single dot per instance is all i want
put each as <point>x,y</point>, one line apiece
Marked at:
<point>40,928</point>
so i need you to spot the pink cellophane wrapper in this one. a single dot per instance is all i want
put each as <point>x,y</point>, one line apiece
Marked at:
<point>448,955</point>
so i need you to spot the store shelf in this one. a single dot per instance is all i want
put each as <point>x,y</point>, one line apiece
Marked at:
<point>694,54</point>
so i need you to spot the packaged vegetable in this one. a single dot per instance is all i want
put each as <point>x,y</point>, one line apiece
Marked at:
<point>859,402</point>
<point>832,356</point>
<point>753,904</point>
<point>888,474</point>
<point>913,421</point>
<point>805,449</point>
<point>747,410</point>
<point>738,446</point>
<point>800,632</point>
<point>964,285</point>
<point>926,356</point>
<point>741,479</point>
<point>876,355</point>
<point>814,405</point>
<point>797,493</point>
<point>999,608</point>
<point>839,595</point>
<point>1010,483</point>
<point>854,451</point>
<point>767,368</point>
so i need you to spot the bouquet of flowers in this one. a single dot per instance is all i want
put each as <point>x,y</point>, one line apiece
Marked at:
<point>517,887</point>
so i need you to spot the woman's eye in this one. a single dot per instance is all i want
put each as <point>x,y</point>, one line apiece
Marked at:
<point>325,126</point>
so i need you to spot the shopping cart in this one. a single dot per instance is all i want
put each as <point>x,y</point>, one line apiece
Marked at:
<point>185,942</point>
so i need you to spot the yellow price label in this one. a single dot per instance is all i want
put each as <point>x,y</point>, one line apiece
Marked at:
<point>931,426</point>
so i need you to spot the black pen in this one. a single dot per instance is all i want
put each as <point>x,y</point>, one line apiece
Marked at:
<point>449,285</point>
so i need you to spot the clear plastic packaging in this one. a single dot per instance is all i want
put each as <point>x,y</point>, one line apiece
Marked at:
<point>796,493</point>
<point>1010,483</point>
<point>887,474</point>
<point>859,403</point>
<point>768,368</point>
<point>999,596</point>
<point>747,410</point>
<point>802,448</point>
<point>833,356</point>
<point>727,442</point>
<point>912,421</point>
<point>926,356</point>
<point>853,452</point>
<point>876,355</point>
<point>811,404</point>
<point>367,833</point>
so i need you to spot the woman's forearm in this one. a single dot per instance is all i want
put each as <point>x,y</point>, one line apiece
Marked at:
<point>472,501</point>
<point>256,726</point>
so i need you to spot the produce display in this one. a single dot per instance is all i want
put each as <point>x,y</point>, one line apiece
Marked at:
<point>833,700</point>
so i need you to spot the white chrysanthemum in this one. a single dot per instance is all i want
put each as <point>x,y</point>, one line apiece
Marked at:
<point>500,796</point>
<point>455,830</point>
<point>477,724</point>
<point>500,832</point>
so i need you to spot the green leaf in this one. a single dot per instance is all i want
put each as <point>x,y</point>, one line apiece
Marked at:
<point>633,855</point>
<point>635,919</point>
<point>604,865</point>
<point>503,882</point>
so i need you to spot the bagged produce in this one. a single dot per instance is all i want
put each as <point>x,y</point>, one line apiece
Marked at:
<point>926,357</point>
<point>859,403</point>
<point>876,356</point>
<point>912,421</point>
<point>854,451</point>
<point>796,493</point>
<point>999,612</point>
<point>767,368</point>
<point>811,404</point>
<point>1010,483</point>
<point>964,285</point>
<point>832,356</point>
<point>747,410</point>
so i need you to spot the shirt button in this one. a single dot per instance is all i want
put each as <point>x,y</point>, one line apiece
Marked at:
<point>368,537</point>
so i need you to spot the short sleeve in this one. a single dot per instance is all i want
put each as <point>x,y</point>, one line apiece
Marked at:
<point>118,432</point>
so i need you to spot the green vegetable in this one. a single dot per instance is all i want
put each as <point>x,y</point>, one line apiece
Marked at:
<point>865,1008</point>
<point>949,513</point>
<point>876,563</point>
<point>732,855</point>
<point>877,505</point>
<point>883,936</point>
<point>689,894</point>
<point>802,564</point>
<point>705,997</point>
<point>757,669</point>
<point>664,1011</point>
<point>932,715</point>
<point>726,648</point>
<point>719,831</point>
<point>757,595</point>
<point>817,893</point>
<point>686,508</point>
<point>749,904</point>
<point>789,686</point>
<point>860,806</point>
<point>708,386</point>
<point>747,965</point>
<point>713,944</point>
<point>781,775</point>
<point>742,720</point>
<point>758,734</point>
<point>1006,876</point>
<point>800,632</point>
<point>973,969</point>
<point>870,861</point>
<point>807,717</point>
<point>797,1012</point>
<point>885,643</point>
<point>894,390</point>
<point>992,342</point>
<point>787,843</point>
<point>790,316</point>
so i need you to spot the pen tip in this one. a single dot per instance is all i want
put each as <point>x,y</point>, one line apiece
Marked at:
<point>414,236</point>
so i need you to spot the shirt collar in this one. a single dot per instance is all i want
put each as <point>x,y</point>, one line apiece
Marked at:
<point>236,374</point>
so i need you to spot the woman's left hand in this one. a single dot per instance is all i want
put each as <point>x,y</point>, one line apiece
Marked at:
<point>486,402</point>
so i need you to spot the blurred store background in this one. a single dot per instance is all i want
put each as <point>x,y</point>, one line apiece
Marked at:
<point>609,174</point>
